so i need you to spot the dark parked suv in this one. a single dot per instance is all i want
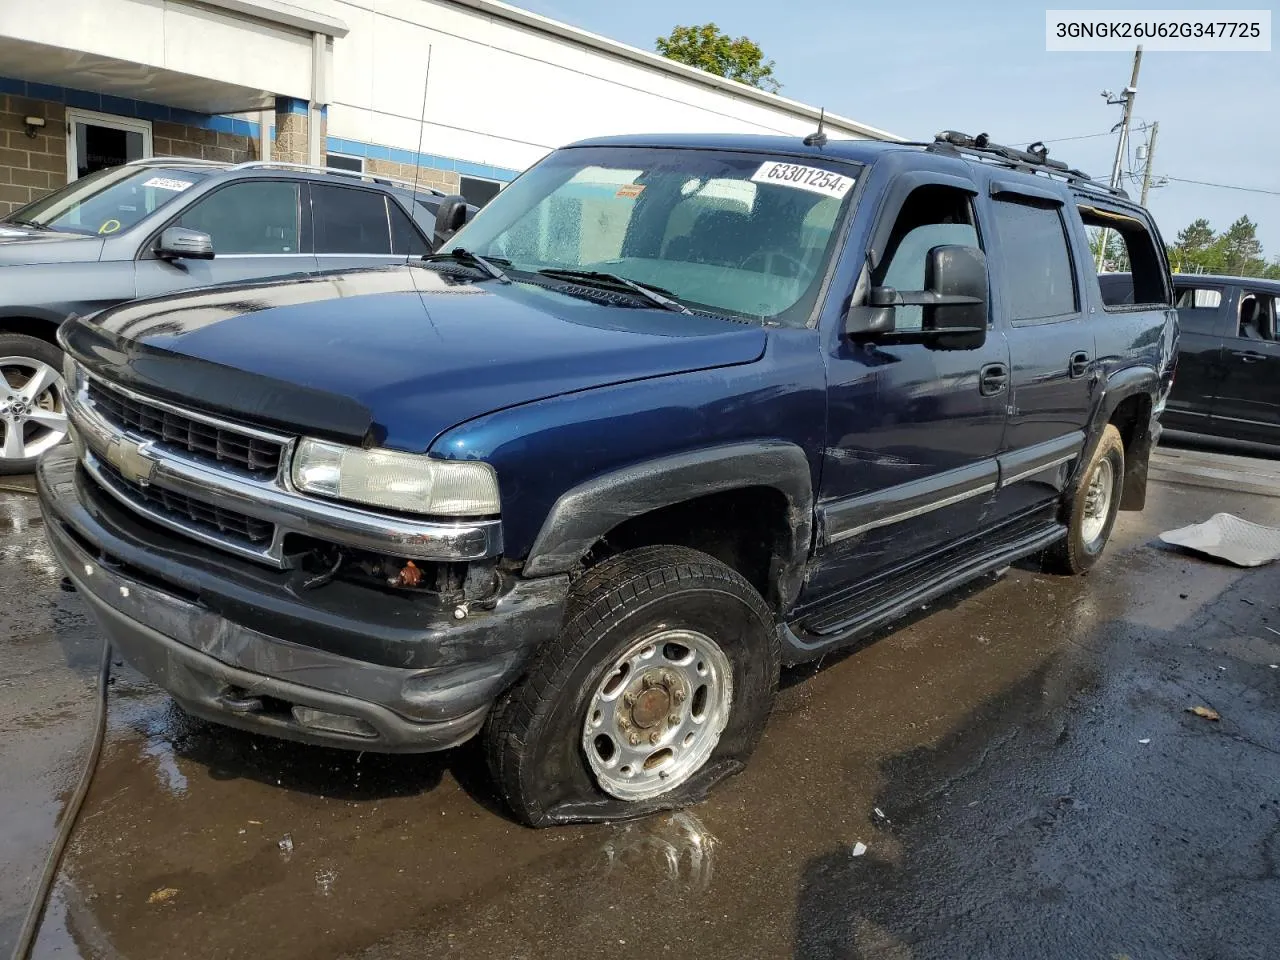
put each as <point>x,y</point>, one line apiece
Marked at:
<point>163,225</point>
<point>1228,384</point>
<point>668,413</point>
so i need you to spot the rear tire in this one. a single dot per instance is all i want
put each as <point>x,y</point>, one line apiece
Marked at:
<point>658,685</point>
<point>33,420</point>
<point>1091,511</point>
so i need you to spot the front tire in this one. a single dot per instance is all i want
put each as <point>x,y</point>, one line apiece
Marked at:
<point>658,686</point>
<point>1091,511</point>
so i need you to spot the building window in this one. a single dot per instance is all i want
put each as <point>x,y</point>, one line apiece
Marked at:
<point>340,161</point>
<point>479,191</point>
<point>99,140</point>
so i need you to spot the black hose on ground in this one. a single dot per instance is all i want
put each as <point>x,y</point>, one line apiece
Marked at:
<point>35,913</point>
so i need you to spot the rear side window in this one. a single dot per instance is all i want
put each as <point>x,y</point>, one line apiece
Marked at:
<point>1036,260</point>
<point>350,221</point>
<point>1131,248</point>
<point>405,238</point>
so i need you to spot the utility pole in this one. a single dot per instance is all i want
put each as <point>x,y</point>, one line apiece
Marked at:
<point>1130,94</point>
<point>1151,158</point>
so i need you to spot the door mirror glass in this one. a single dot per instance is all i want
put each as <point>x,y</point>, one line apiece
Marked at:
<point>450,217</point>
<point>180,243</point>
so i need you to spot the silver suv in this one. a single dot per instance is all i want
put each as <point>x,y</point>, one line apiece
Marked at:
<point>158,226</point>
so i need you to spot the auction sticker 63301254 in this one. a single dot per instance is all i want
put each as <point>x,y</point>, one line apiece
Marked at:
<point>801,177</point>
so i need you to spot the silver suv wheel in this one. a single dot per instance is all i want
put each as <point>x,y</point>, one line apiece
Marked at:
<point>32,415</point>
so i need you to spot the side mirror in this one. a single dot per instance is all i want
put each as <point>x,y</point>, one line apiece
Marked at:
<point>450,217</point>
<point>179,243</point>
<point>954,302</point>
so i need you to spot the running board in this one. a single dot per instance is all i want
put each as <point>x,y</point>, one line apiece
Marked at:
<point>819,631</point>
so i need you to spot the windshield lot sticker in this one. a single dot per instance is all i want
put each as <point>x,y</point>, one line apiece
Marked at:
<point>630,191</point>
<point>813,179</point>
<point>167,183</point>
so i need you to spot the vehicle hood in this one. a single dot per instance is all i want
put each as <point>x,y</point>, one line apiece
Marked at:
<point>399,354</point>
<point>24,245</point>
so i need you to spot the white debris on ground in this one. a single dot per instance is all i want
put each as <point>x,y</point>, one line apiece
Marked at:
<point>1227,537</point>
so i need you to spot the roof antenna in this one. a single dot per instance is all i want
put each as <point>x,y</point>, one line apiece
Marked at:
<point>422,126</point>
<point>818,138</point>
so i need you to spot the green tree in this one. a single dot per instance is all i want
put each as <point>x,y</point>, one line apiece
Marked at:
<point>1241,249</point>
<point>709,48</point>
<point>1117,259</point>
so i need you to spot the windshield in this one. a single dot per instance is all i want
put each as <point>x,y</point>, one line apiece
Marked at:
<point>734,233</point>
<point>107,201</point>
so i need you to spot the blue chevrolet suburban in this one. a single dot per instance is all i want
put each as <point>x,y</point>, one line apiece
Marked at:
<point>670,412</point>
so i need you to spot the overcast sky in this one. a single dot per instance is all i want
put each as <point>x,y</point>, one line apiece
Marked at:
<point>915,67</point>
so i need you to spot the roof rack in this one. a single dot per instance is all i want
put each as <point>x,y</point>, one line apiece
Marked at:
<point>336,171</point>
<point>1034,159</point>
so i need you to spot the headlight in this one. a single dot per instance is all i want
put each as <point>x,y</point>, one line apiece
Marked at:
<point>398,481</point>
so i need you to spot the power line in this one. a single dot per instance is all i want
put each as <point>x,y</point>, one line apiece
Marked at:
<point>1224,186</point>
<point>1085,136</point>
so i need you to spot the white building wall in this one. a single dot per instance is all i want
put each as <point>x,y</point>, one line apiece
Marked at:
<point>176,37</point>
<point>504,93</point>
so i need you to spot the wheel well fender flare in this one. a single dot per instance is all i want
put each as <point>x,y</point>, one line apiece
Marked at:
<point>587,512</point>
<point>1127,383</point>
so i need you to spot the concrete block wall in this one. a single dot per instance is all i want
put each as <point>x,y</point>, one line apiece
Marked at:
<point>30,167</point>
<point>170,139</point>
<point>446,181</point>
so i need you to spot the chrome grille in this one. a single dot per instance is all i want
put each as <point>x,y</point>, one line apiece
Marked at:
<point>190,511</point>
<point>206,441</point>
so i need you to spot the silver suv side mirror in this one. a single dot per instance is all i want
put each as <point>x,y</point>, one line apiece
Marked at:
<point>179,243</point>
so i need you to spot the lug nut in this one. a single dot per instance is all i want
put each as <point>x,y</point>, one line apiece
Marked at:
<point>674,719</point>
<point>635,739</point>
<point>629,699</point>
<point>647,682</point>
<point>624,723</point>
<point>655,737</point>
<point>678,696</point>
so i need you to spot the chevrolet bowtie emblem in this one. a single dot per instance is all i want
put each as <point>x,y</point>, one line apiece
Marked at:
<point>128,458</point>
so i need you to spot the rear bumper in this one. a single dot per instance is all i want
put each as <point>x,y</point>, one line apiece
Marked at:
<point>425,687</point>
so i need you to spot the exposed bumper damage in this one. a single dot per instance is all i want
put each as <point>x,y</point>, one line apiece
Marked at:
<point>343,665</point>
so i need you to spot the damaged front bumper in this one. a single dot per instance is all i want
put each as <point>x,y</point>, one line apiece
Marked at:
<point>343,665</point>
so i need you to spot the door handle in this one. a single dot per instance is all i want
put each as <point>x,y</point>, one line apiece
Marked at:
<point>1079,364</point>
<point>1249,356</point>
<point>993,379</point>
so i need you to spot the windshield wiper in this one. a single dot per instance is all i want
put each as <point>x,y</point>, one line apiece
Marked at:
<point>22,223</point>
<point>655,295</point>
<point>469,259</point>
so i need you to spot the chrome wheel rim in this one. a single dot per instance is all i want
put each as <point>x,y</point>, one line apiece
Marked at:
<point>1097,502</point>
<point>33,417</point>
<point>657,714</point>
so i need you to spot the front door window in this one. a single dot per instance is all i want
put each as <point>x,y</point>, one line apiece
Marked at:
<point>97,140</point>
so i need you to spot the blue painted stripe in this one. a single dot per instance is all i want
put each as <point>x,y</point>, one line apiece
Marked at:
<point>125,107</point>
<point>374,151</point>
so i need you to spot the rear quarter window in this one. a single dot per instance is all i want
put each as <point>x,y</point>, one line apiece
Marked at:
<point>1132,248</point>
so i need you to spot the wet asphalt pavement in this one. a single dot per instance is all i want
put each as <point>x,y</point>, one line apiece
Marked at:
<point>1018,761</point>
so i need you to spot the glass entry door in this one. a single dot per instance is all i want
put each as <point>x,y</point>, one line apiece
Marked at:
<point>98,140</point>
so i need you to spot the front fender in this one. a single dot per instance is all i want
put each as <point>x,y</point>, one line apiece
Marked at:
<point>587,512</point>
